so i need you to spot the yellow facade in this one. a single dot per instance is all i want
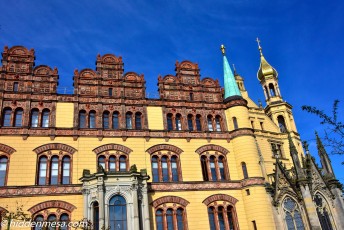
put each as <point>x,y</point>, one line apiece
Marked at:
<point>189,160</point>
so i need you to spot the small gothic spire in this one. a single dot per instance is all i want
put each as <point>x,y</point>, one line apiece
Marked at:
<point>294,155</point>
<point>324,158</point>
<point>235,72</point>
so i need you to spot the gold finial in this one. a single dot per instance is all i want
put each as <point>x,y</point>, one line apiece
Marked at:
<point>259,47</point>
<point>223,49</point>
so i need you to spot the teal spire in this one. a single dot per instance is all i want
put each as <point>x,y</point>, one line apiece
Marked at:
<point>231,87</point>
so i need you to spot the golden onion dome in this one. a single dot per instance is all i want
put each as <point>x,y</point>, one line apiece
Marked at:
<point>265,69</point>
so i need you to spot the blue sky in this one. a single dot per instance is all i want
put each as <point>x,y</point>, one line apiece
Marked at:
<point>303,40</point>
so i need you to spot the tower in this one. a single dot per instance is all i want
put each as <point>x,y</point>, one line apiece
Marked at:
<point>277,109</point>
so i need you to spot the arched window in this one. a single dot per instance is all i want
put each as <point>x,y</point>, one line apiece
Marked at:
<point>6,117</point>
<point>3,170</point>
<point>272,90</point>
<point>235,123</point>
<point>267,92</point>
<point>222,167</point>
<point>64,218</point>
<point>281,124</point>
<point>138,123</point>
<point>112,163</point>
<point>170,218</point>
<point>45,118</point>
<point>106,115</point>
<point>190,122</point>
<point>218,123</point>
<point>159,216</point>
<point>101,161</point>
<point>204,165</point>
<point>155,169</point>
<point>165,168</point>
<point>292,214</point>
<point>178,122</point>
<point>82,119</point>
<point>221,217</point>
<point>34,117</point>
<point>66,170</point>
<point>52,220</point>
<point>169,122</point>
<point>180,219</point>
<point>214,167</point>
<point>95,207</point>
<point>39,222</point>
<point>92,119</point>
<point>18,117</point>
<point>174,168</point>
<point>115,123</point>
<point>118,212</point>
<point>198,123</point>
<point>244,170</point>
<point>122,163</point>
<point>323,212</point>
<point>211,216</point>
<point>42,170</point>
<point>54,170</point>
<point>128,120</point>
<point>57,168</point>
<point>210,123</point>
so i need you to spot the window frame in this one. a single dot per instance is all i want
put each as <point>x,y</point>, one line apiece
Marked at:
<point>7,157</point>
<point>108,154</point>
<point>18,117</point>
<point>60,155</point>
<point>173,208</point>
<point>45,119</point>
<point>7,117</point>
<point>205,159</point>
<point>159,156</point>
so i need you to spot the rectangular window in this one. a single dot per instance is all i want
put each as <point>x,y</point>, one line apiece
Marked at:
<point>110,92</point>
<point>15,86</point>
<point>261,126</point>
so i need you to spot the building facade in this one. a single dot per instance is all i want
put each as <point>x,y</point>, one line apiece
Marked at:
<point>199,157</point>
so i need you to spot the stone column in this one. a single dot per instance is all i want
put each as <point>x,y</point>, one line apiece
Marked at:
<point>338,210</point>
<point>310,208</point>
<point>136,221</point>
<point>145,207</point>
<point>101,202</point>
<point>86,193</point>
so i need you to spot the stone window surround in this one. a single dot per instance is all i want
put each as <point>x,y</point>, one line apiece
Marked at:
<point>46,150</point>
<point>6,151</point>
